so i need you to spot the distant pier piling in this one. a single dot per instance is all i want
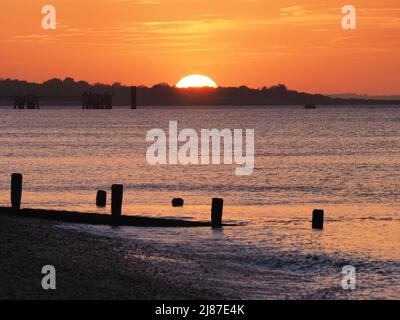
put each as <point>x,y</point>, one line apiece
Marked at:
<point>30,101</point>
<point>318,219</point>
<point>117,192</point>
<point>101,199</point>
<point>96,101</point>
<point>216,212</point>
<point>16,191</point>
<point>133,98</point>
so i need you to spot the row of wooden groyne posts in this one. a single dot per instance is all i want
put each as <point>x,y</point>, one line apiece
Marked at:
<point>89,100</point>
<point>116,218</point>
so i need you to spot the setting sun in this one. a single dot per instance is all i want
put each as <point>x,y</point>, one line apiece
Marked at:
<point>196,81</point>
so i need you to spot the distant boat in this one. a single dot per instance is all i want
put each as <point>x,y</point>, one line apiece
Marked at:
<point>310,106</point>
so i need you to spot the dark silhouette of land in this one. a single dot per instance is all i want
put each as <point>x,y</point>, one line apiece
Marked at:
<point>365,96</point>
<point>69,92</point>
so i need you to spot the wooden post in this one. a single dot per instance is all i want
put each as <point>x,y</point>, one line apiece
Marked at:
<point>101,198</point>
<point>16,190</point>
<point>216,212</point>
<point>318,219</point>
<point>177,202</point>
<point>117,192</point>
<point>133,98</point>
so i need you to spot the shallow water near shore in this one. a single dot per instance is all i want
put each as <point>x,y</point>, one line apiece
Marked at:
<point>340,159</point>
<point>275,254</point>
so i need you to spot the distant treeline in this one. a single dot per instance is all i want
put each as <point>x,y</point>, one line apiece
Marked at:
<point>69,91</point>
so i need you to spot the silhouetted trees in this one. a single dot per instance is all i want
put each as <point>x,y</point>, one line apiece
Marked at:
<point>69,92</point>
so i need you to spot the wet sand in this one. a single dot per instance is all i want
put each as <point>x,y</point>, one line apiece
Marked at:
<point>88,267</point>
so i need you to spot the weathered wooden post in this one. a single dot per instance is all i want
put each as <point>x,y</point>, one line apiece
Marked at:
<point>101,198</point>
<point>216,212</point>
<point>318,219</point>
<point>117,192</point>
<point>133,98</point>
<point>177,202</point>
<point>16,190</point>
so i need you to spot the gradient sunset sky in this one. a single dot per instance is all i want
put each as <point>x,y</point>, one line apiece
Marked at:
<point>235,42</point>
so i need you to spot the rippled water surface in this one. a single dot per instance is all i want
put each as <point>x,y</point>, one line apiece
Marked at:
<point>341,159</point>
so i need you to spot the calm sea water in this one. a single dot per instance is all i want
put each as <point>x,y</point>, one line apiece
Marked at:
<point>341,159</point>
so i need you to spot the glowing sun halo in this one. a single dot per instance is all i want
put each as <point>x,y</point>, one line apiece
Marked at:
<point>196,81</point>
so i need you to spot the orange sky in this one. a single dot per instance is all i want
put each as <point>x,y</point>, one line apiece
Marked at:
<point>252,42</point>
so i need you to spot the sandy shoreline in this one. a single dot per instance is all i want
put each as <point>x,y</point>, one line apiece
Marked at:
<point>88,267</point>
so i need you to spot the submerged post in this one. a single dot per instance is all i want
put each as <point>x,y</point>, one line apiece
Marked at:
<point>177,202</point>
<point>16,190</point>
<point>318,219</point>
<point>101,198</point>
<point>133,98</point>
<point>117,191</point>
<point>216,212</point>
